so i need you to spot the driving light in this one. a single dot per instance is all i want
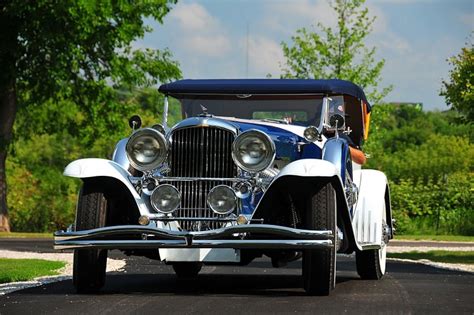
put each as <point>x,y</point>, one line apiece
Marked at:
<point>146,149</point>
<point>222,199</point>
<point>241,219</point>
<point>311,133</point>
<point>143,220</point>
<point>253,151</point>
<point>165,198</point>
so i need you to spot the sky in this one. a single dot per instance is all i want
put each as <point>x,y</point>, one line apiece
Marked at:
<point>242,39</point>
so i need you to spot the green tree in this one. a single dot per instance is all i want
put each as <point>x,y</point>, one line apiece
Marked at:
<point>429,160</point>
<point>459,90</point>
<point>337,53</point>
<point>72,50</point>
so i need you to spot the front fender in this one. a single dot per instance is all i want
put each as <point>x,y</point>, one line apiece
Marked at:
<point>300,180</point>
<point>91,168</point>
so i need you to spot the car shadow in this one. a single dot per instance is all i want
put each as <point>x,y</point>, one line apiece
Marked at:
<point>149,277</point>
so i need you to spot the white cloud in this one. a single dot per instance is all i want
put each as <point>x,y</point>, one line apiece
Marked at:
<point>303,13</point>
<point>467,19</point>
<point>382,36</point>
<point>200,33</point>
<point>193,17</point>
<point>265,56</point>
<point>380,24</point>
<point>392,41</point>
<point>209,45</point>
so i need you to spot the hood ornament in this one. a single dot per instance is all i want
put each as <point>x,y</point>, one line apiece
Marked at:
<point>204,111</point>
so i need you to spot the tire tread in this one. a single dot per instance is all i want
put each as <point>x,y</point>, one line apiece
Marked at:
<point>90,264</point>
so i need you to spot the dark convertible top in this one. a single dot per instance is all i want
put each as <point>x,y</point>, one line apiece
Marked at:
<point>264,86</point>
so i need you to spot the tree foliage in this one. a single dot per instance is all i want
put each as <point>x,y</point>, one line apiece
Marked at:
<point>73,54</point>
<point>459,90</point>
<point>78,47</point>
<point>327,53</point>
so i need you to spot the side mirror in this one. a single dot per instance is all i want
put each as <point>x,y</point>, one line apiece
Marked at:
<point>135,122</point>
<point>311,134</point>
<point>336,121</point>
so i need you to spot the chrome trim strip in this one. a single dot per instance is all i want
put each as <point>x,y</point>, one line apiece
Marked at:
<point>236,244</point>
<point>95,238</point>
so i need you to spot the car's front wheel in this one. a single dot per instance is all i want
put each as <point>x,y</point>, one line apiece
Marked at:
<point>90,264</point>
<point>319,265</point>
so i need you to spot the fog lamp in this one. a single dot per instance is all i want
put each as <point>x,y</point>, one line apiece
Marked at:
<point>165,198</point>
<point>222,199</point>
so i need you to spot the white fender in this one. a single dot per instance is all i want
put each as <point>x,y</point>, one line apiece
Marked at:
<point>88,168</point>
<point>309,168</point>
<point>367,221</point>
<point>306,168</point>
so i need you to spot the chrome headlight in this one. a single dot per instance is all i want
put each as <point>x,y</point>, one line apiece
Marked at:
<point>146,149</point>
<point>253,151</point>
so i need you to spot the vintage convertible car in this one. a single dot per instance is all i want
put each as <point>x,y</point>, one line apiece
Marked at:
<point>257,167</point>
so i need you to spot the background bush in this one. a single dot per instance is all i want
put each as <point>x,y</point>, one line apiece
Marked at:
<point>429,160</point>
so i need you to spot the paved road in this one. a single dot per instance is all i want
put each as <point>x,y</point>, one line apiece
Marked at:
<point>148,286</point>
<point>39,245</point>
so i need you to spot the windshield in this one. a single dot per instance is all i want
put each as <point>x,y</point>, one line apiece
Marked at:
<point>301,110</point>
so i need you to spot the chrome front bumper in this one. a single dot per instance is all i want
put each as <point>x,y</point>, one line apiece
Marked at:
<point>262,236</point>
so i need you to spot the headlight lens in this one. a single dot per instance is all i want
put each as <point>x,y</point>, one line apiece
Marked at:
<point>146,149</point>
<point>222,199</point>
<point>253,151</point>
<point>165,198</point>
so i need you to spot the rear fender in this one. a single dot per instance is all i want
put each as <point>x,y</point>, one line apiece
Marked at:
<point>373,194</point>
<point>99,168</point>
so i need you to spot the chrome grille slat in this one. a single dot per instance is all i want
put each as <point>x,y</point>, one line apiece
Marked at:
<point>203,152</point>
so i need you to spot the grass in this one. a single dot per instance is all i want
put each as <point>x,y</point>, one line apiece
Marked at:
<point>25,235</point>
<point>27,269</point>
<point>448,238</point>
<point>453,257</point>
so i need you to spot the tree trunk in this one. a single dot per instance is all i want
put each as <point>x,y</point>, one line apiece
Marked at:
<point>9,52</point>
<point>7,117</point>
<point>4,223</point>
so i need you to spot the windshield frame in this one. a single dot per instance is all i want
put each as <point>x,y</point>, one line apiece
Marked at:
<point>245,106</point>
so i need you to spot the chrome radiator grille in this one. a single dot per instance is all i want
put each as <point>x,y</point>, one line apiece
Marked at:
<point>202,152</point>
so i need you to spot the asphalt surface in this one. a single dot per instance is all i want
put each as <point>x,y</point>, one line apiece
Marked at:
<point>148,286</point>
